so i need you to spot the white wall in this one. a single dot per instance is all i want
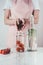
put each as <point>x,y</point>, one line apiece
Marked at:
<point>40,28</point>
<point>4,29</point>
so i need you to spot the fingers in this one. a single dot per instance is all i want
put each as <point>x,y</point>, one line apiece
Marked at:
<point>17,21</point>
<point>26,24</point>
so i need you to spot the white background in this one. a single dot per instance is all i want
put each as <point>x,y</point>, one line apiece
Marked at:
<point>4,28</point>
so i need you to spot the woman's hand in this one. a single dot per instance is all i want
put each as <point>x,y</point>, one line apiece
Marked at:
<point>26,24</point>
<point>23,24</point>
<point>36,16</point>
<point>19,24</point>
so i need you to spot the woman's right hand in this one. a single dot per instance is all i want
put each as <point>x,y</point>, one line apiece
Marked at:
<point>19,24</point>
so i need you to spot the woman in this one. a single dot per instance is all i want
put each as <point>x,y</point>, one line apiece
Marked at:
<point>15,9</point>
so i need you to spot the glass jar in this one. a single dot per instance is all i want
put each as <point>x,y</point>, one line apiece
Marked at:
<point>20,41</point>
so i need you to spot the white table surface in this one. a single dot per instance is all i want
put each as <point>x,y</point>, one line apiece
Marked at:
<point>26,58</point>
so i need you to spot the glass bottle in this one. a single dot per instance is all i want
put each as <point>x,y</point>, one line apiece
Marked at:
<point>32,34</point>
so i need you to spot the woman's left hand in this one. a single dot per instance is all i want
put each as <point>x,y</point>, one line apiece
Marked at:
<point>36,16</point>
<point>26,24</point>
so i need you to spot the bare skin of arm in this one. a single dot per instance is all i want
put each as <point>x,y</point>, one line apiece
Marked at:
<point>7,20</point>
<point>36,16</point>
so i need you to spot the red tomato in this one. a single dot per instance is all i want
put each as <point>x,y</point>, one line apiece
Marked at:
<point>18,49</point>
<point>0,51</point>
<point>17,42</point>
<point>3,52</point>
<point>21,45</point>
<point>22,48</point>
